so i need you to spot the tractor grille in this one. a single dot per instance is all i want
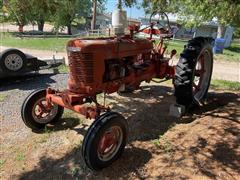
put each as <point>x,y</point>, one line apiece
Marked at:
<point>81,66</point>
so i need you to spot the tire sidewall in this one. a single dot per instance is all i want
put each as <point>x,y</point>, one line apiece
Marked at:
<point>92,142</point>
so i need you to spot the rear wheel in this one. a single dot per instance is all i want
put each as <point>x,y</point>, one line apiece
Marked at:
<point>193,72</point>
<point>34,112</point>
<point>105,141</point>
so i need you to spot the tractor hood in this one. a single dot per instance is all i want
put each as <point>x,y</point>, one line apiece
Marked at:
<point>111,46</point>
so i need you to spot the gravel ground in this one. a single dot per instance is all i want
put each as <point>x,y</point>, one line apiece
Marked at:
<point>158,144</point>
<point>15,91</point>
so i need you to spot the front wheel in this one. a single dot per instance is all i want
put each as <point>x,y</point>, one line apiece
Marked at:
<point>193,72</point>
<point>105,140</point>
<point>34,112</point>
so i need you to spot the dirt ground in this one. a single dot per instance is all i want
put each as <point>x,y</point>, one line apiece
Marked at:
<point>200,145</point>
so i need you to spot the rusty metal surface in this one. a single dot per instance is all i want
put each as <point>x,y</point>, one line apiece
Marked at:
<point>91,59</point>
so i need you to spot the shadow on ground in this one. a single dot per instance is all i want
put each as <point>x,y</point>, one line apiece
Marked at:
<point>147,114</point>
<point>28,82</point>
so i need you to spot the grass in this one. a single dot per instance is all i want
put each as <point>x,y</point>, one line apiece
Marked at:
<point>52,44</point>
<point>63,69</point>
<point>163,144</point>
<point>2,162</point>
<point>58,44</point>
<point>20,157</point>
<point>2,97</point>
<point>231,53</point>
<point>177,44</point>
<point>72,117</point>
<point>225,85</point>
<point>75,170</point>
<point>156,142</point>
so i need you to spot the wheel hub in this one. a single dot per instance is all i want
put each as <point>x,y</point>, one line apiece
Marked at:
<point>201,76</point>
<point>110,143</point>
<point>13,62</point>
<point>199,73</point>
<point>42,113</point>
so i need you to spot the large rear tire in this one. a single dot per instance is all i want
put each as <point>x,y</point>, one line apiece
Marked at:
<point>193,72</point>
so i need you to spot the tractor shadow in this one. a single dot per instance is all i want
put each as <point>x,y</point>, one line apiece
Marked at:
<point>146,111</point>
<point>49,168</point>
<point>65,123</point>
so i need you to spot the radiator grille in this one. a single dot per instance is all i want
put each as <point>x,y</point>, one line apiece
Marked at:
<point>81,66</point>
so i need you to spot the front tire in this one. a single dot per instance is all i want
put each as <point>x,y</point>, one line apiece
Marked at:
<point>34,113</point>
<point>193,72</point>
<point>105,141</point>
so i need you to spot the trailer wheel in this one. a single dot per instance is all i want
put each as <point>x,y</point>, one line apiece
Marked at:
<point>34,113</point>
<point>13,60</point>
<point>193,72</point>
<point>105,141</point>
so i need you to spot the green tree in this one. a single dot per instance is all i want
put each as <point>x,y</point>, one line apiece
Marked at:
<point>195,12</point>
<point>127,3</point>
<point>41,11</point>
<point>68,10</point>
<point>18,12</point>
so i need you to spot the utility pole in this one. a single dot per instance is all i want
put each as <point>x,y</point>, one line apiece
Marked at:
<point>93,22</point>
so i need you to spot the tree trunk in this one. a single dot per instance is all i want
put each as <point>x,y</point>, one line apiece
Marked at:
<point>69,29</point>
<point>40,25</point>
<point>93,23</point>
<point>20,28</point>
<point>220,31</point>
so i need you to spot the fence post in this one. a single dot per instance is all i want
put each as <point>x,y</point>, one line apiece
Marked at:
<point>98,32</point>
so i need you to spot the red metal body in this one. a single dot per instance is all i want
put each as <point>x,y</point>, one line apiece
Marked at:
<point>104,65</point>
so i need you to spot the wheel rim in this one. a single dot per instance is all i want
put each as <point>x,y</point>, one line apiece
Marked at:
<point>13,62</point>
<point>41,113</point>
<point>202,75</point>
<point>110,143</point>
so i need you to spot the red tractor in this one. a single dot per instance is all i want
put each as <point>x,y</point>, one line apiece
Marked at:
<point>121,63</point>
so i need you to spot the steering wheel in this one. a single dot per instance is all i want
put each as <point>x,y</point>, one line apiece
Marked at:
<point>163,29</point>
<point>163,32</point>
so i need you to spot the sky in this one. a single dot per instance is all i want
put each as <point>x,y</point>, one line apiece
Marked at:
<point>133,12</point>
